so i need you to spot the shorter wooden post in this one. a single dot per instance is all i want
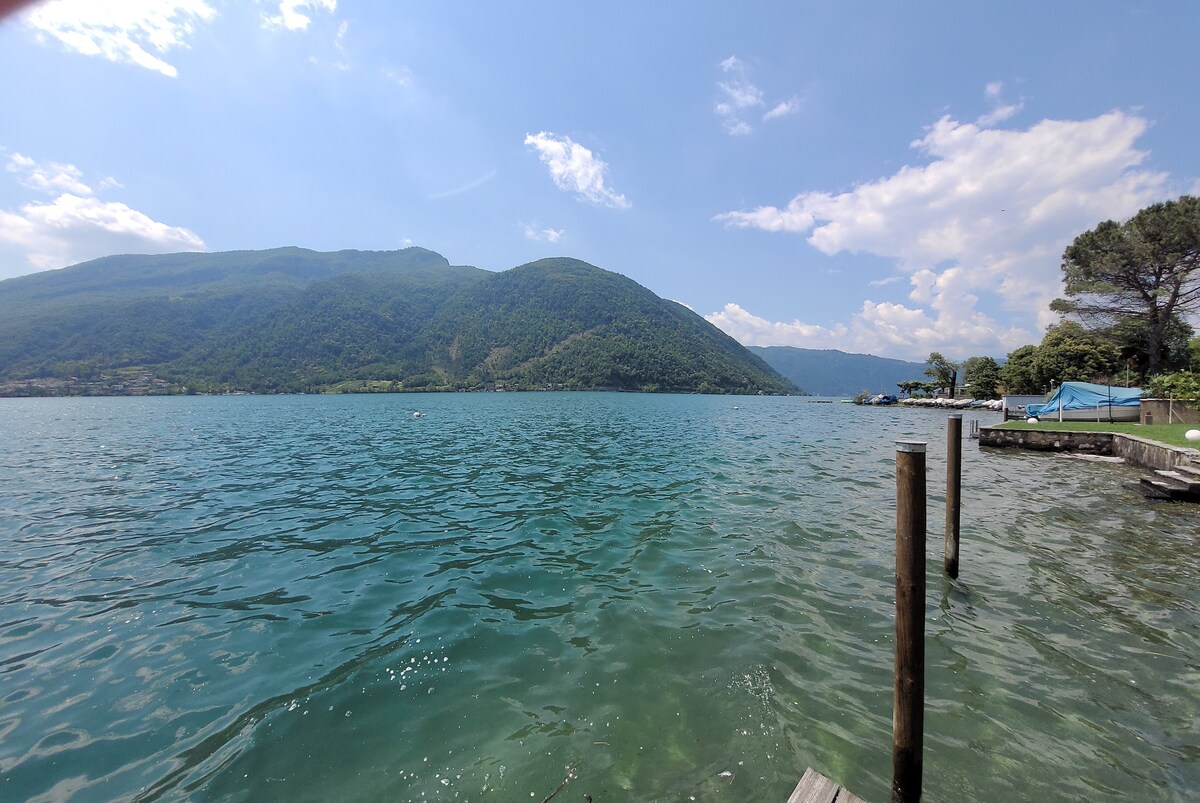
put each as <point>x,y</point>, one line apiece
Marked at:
<point>908,709</point>
<point>953,491</point>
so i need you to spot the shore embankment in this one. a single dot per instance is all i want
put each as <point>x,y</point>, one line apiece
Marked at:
<point>1136,451</point>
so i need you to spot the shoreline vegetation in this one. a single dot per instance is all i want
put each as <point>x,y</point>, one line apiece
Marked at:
<point>146,384</point>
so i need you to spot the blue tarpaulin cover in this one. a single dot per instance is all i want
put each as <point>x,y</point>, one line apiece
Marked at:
<point>1085,396</point>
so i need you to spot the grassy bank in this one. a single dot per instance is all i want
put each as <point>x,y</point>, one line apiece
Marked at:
<point>1170,434</point>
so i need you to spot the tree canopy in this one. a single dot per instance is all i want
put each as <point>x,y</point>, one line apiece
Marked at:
<point>942,371</point>
<point>982,374</point>
<point>1145,270</point>
<point>1067,353</point>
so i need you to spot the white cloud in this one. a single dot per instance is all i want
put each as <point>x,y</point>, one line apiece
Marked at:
<point>783,109</point>
<point>751,330</point>
<point>738,98</point>
<point>76,226</point>
<point>574,168</point>
<point>537,234</point>
<point>989,213</point>
<point>73,229</point>
<point>737,128</point>
<point>732,64</point>
<point>123,32</point>
<point>292,16</point>
<point>882,328</point>
<point>49,178</point>
<point>1001,111</point>
<point>739,95</point>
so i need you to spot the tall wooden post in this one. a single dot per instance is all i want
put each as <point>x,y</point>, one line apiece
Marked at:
<point>953,490</point>
<point>908,710</point>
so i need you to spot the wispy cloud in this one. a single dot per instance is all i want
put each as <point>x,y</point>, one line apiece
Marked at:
<point>1001,111</point>
<point>339,46</point>
<point>75,225</point>
<point>50,177</point>
<point>124,32</point>
<point>989,213</point>
<point>736,95</point>
<point>738,100</point>
<point>574,168</point>
<point>783,109</point>
<point>538,234</point>
<point>400,76</point>
<point>292,14</point>
<point>484,179</point>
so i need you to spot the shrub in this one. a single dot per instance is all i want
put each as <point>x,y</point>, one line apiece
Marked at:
<point>1182,385</point>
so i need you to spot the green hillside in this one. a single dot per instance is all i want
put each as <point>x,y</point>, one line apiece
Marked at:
<point>289,320</point>
<point>828,372</point>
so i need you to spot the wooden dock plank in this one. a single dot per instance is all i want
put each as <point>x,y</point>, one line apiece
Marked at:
<point>816,788</point>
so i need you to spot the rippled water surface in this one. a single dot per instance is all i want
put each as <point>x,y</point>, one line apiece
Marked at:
<point>678,597</point>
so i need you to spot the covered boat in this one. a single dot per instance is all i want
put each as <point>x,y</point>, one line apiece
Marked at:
<point>1085,401</point>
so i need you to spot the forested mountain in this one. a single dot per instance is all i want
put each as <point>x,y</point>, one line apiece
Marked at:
<point>290,319</point>
<point>828,372</point>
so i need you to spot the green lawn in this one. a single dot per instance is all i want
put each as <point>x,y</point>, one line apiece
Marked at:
<point>1170,434</point>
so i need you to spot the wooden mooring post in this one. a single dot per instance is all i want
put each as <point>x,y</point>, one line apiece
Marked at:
<point>953,491</point>
<point>908,708</point>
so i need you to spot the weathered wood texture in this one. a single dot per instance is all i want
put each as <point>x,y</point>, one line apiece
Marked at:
<point>816,788</point>
<point>953,492</point>
<point>908,710</point>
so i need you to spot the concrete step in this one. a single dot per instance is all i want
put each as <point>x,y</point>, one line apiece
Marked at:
<point>1188,468</point>
<point>1166,488</point>
<point>1187,482</point>
<point>1147,489</point>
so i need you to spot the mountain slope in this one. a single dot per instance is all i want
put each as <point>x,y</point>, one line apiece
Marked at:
<point>151,310</point>
<point>290,319</point>
<point>828,372</point>
<point>565,322</point>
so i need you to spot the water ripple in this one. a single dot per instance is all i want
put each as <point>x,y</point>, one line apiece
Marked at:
<point>306,598</point>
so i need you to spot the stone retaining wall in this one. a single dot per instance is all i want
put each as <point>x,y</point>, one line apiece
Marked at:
<point>1136,451</point>
<point>1041,440</point>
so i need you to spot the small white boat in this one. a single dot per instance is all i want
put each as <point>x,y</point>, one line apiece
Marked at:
<point>1101,412</point>
<point>1086,401</point>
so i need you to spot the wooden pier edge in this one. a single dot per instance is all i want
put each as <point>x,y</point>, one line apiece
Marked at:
<point>816,788</point>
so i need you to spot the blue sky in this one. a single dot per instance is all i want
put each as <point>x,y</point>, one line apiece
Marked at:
<point>876,177</point>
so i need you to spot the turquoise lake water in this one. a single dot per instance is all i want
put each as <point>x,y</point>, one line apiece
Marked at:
<point>678,597</point>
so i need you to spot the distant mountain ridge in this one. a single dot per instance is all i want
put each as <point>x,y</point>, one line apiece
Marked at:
<point>829,372</point>
<point>290,319</point>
